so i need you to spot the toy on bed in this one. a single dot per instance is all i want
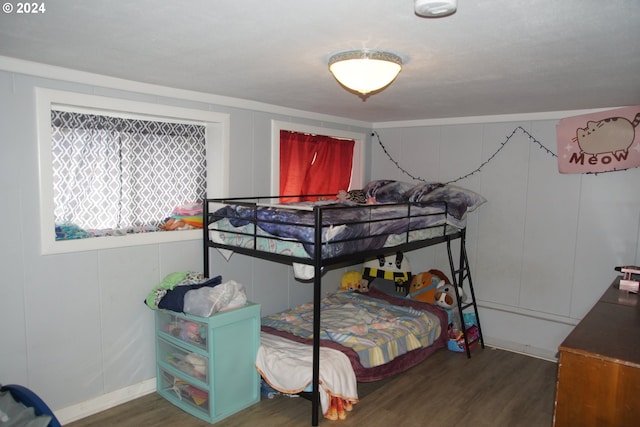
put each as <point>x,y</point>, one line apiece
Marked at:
<point>423,285</point>
<point>352,281</point>
<point>355,196</point>
<point>394,267</point>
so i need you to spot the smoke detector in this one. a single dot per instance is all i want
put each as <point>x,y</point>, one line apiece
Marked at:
<point>435,8</point>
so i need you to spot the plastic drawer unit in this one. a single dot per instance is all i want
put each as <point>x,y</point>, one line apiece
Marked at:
<point>206,365</point>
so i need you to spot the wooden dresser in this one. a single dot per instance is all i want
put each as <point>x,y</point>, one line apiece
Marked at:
<point>599,366</point>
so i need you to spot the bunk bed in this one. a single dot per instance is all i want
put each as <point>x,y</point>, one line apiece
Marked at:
<point>323,233</point>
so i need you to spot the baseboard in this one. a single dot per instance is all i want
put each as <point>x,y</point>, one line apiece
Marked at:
<point>105,401</point>
<point>527,350</point>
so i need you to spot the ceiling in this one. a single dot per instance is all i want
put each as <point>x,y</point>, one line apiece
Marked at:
<point>491,57</point>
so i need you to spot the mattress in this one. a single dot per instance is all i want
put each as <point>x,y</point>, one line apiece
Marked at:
<point>290,230</point>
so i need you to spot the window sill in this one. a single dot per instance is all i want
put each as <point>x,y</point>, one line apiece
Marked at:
<point>52,246</point>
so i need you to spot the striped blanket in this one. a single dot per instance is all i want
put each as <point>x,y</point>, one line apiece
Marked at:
<point>376,330</point>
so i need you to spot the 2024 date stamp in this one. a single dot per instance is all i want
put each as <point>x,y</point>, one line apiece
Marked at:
<point>19,8</point>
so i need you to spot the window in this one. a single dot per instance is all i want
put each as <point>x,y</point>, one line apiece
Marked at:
<point>313,164</point>
<point>112,174</point>
<point>109,165</point>
<point>341,143</point>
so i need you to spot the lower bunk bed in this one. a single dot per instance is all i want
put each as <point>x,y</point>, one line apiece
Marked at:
<point>374,334</point>
<point>317,235</point>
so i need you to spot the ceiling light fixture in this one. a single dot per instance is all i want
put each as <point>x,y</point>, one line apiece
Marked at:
<point>435,8</point>
<point>365,71</point>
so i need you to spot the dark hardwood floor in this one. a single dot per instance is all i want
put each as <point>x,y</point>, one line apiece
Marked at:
<point>494,388</point>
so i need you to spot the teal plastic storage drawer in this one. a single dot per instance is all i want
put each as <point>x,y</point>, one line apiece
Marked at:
<point>206,365</point>
<point>188,362</point>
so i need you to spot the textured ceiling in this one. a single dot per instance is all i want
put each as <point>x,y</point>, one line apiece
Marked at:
<point>490,57</point>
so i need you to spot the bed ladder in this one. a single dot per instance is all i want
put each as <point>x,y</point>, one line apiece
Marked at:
<point>459,276</point>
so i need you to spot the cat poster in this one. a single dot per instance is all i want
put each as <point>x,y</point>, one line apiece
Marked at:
<point>599,142</point>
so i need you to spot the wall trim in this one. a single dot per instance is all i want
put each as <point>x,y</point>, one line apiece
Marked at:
<point>105,401</point>
<point>67,74</point>
<point>548,115</point>
<point>21,66</point>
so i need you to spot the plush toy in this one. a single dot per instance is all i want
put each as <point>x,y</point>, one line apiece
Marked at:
<point>446,298</point>
<point>423,285</point>
<point>355,196</point>
<point>338,408</point>
<point>353,281</point>
<point>394,267</point>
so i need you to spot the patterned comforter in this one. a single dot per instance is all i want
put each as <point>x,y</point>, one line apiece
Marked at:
<point>376,330</point>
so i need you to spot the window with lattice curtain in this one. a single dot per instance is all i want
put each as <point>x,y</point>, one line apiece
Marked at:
<point>115,173</point>
<point>313,164</point>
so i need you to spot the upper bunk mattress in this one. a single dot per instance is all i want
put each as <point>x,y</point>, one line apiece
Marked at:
<point>423,212</point>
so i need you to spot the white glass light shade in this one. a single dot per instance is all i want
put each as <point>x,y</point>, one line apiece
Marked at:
<point>365,71</point>
<point>435,8</point>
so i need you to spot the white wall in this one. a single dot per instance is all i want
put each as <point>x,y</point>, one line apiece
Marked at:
<point>73,327</point>
<point>543,248</point>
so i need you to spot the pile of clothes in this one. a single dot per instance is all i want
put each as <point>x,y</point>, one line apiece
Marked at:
<point>184,217</point>
<point>192,293</point>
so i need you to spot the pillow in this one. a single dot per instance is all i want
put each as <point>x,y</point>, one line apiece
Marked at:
<point>435,192</point>
<point>417,193</point>
<point>387,191</point>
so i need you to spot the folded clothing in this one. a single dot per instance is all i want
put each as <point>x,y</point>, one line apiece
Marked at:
<point>174,298</point>
<point>173,280</point>
<point>188,209</point>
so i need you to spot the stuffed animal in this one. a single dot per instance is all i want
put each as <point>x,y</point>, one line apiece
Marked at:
<point>355,196</point>
<point>446,298</point>
<point>338,408</point>
<point>395,267</point>
<point>423,285</point>
<point>353,281</point>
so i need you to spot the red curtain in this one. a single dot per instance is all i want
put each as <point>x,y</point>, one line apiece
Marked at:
<point>313,164</point>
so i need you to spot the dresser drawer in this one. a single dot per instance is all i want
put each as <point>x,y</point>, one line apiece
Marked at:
<point>188,362</point>
<point>189,331</point>
<point>181,392</point>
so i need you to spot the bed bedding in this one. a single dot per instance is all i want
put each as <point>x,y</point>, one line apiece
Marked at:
<point>391,344</point>
<point>223,232</point>
<point>376,330</point>
<point>345,229</point>
<point>402,213</point>
<point>287,366</point>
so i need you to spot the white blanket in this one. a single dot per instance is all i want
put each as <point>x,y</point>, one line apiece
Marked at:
<point>288,367</point>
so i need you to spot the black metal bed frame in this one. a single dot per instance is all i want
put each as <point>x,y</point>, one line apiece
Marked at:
<point>460,272</point>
